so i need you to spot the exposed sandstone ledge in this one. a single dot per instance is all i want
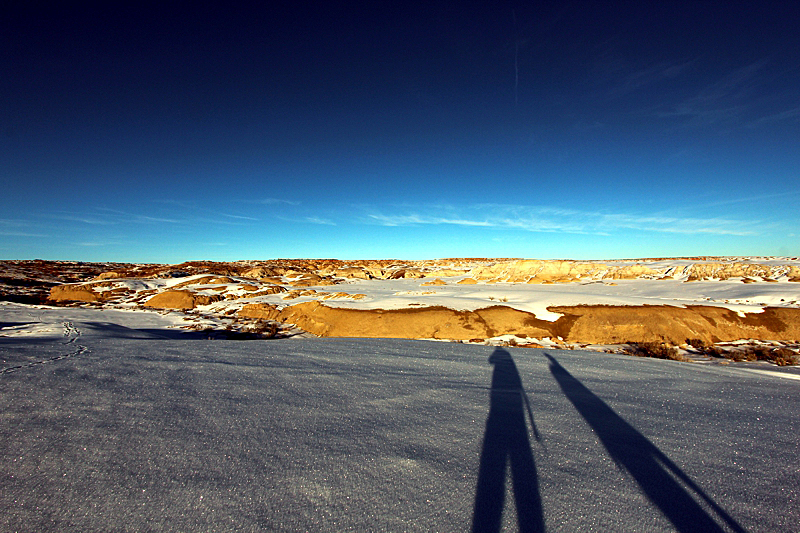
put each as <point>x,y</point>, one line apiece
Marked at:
<point>181,299</point>
<point>425,323</point>
<point>565,271</point>
<point>544,271</point>
<point>109,275</point>
<point>585,324</point>
<point>604,324</point>
<point>74,293</point>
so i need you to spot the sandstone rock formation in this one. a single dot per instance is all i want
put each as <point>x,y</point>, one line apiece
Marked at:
<point>704,271</point>
<point>538,271</point>
<point>352,273</point>
<point>580,324</point>
<point>109,275</point>
<point>180,299</point>
<point>73,293</point>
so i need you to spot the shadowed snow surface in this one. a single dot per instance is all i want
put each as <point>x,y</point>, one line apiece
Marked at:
<point>111,426</point>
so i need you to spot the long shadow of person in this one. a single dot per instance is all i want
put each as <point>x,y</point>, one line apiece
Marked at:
<point>506,441</point>
<point>655,473</point>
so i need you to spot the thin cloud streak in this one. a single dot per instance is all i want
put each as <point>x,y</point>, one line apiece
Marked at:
<point>789,114</point>
<point>107,216</point>
<point>20,234</point>
<point>272,201</point>
<point>413,220</point>
<point>554,220</point>
<point>17,228</point>
<point>144,218</point>
<point>773,196</point>
<point>85,220</point>
<point>320,221</point>
<point>239,217</point>
<point>308,220</point>
<point>95,244</point>
<point>647,76</point>
<point>723,101</point>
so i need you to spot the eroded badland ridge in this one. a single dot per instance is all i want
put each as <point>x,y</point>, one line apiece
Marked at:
<point>523,301</point>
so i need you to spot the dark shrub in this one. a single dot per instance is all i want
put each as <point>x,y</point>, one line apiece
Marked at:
<point>659,350</point>
<point>265,328</point>
<point>697,344</point>
<point>780,356</point>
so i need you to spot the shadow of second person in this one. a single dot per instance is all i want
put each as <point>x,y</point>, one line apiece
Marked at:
<point>506,442</point>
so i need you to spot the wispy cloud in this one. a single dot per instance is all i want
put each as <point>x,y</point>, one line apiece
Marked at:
<point>90,244</point>
<point>724,100</point>
<point>647,76</point>
<point>104,216</point>
<point>272,201</point>
<point>17,228</point>
<point>554,220</point>
<point>789,114</point>
<point>307,220</point>
<point>413,220</point>
<point>239,217</point>
<point>92,220</point>
<point>20,234</point>
<point>160,220</point>
<point>712,226</point>
<point>318,220</point>
<point>748,199</point>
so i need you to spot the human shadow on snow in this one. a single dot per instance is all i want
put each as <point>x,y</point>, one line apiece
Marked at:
<point>659,478</point>
<point>506,442</point>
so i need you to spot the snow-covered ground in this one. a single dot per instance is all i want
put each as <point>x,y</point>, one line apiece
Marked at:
<point>536,298</point>
<point>42,321</point>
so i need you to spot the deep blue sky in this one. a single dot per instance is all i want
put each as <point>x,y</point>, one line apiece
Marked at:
<point>400,129</point>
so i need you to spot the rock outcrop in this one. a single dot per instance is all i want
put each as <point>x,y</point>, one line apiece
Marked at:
<point>579,324</point>
<point>705,271</point>
<point>74,293</point>
<point>538,271</point>
<point>180,299</point>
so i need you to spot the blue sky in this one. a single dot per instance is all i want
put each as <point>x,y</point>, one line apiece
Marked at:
<point>400,130</point>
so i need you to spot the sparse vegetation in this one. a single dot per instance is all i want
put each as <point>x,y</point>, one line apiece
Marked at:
<point>780,355</point>
<point>706,349</point>
<point>265,329</point>
<point>205,328</point>
<point>697,344</point>
<point>658,350</point>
